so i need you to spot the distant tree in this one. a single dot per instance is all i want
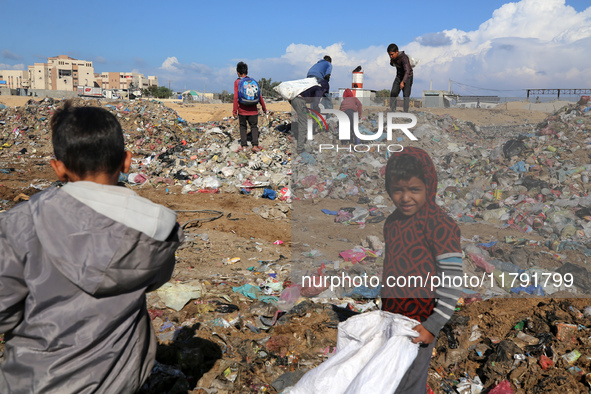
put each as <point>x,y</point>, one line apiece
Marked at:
<point>266,86</point>
<point>227,97</point>
<point>157,91</point>
<point>163,92</point>
<point>383,93</point>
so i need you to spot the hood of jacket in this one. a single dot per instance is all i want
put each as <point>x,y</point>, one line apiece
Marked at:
<point>348,93</point>
<point>428,170</point>
<point>100,254</point>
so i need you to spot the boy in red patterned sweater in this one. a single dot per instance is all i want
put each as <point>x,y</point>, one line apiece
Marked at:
<point>422,241</point>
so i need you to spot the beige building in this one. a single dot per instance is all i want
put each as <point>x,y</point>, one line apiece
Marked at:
<point>14,79</point>
<point>61,73</point>
<point>66,73</point>
<point>40,76</point>
<point>114,80</point>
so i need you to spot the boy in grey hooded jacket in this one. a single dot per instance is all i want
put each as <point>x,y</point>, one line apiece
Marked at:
<point>75,264</point>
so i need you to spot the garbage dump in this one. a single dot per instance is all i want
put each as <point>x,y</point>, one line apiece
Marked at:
<point>167,150</point>
<point>230,324</point>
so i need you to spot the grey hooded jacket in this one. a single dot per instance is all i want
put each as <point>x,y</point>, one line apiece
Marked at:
<point>72,289</point>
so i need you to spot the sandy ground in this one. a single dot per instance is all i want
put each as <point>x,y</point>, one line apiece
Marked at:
<point>504,114</point>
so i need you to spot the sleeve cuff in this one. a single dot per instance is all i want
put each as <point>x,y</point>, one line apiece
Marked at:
<point>434,324</point>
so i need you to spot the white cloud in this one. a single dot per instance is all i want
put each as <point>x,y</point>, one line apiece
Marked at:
<point>171,64</point>
<point>12,66</point>
<point>193,75</point>
<point>525,44</point>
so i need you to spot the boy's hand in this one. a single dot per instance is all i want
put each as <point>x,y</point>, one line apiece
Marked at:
<point>424,337</point>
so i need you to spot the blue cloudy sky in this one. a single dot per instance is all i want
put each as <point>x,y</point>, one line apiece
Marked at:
<point>497,45</point>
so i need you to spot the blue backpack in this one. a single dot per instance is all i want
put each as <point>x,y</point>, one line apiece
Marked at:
<point>248,91</point>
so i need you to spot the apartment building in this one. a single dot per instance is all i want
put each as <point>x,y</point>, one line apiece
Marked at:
<point>40,76</point>
<point>14,79</point>
<point>65,73</point>
<point>114,80</point>
<point>61,73</point>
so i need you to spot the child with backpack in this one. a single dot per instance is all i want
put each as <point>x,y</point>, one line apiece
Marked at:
<point>246,97</point>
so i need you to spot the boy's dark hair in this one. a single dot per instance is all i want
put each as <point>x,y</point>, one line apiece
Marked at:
<point>242,68</point>
<point>402,168</point>
<point>88,140</point>
<point>328,58</point>
<point>392,48</point>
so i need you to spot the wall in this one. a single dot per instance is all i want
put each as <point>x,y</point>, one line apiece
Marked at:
<point>57,94</point>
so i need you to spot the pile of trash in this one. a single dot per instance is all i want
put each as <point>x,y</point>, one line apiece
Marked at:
<point>515,345</point>
<point>166,149</point>
<point>532,181</point>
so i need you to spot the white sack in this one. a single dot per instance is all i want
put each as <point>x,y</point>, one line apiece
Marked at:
<point>374,350</point>
<point>290,89</point>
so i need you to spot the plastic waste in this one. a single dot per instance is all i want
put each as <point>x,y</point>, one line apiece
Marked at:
<point>176,295</point>
<point>481,262</point>
<point>269,193</point>
<point>506,266</point>
<point>353,255</point>
<point>502,388</point>
<point>289,297</point>
<point>545,362</point>
<point>531,289</point>
<point>572,357</point>
<point>211,183</point>
<point>136,179</point>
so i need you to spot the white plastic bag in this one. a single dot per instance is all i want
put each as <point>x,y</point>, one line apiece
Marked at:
<point>374,350</point>
<point>290,89</point>
<point>211,183</point>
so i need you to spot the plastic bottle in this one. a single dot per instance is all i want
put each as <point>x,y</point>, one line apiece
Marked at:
<point>506,266</point>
